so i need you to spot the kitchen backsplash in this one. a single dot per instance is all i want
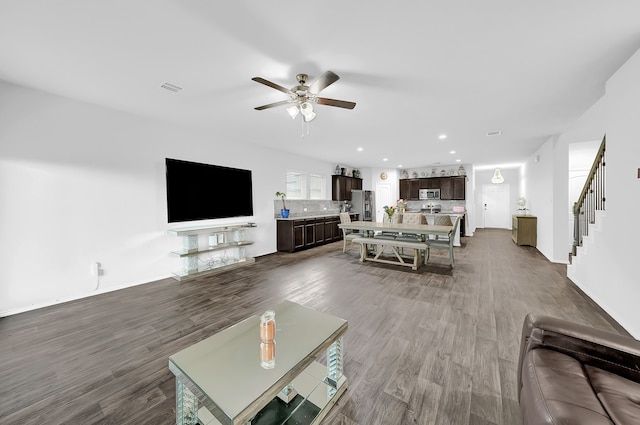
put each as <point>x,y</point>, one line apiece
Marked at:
<point>444,205</point>
<point>307,207</point>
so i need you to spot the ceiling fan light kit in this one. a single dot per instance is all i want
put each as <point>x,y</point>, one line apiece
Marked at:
<point>302,97</point>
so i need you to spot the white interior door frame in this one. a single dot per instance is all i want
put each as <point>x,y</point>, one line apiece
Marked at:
<point>382,197</point>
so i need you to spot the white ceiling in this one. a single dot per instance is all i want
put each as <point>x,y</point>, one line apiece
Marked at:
<point>415,68</point>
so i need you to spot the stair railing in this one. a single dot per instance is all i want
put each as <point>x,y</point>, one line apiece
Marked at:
<point>591,199</point>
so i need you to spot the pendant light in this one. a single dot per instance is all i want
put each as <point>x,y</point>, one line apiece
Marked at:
<point>497,177</point>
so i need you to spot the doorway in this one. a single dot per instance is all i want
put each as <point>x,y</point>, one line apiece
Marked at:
<point>495,206</point>
<point>383,197</point>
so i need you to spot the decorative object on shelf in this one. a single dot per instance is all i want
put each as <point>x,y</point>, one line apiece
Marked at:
<point>343,171</point>
<point>389,211</point>
<point>450,172</point>
<point>405,174</point>
<point>522,204</point>
<point>337,170</point>
<point>461,171</point>
<point>414,174</point>
<point>267,337</point>
<point>497,177</point>
<point>443,172</point>
<point>433,172</point>
<point>284,212</point>
<point>356,173</point>
<point>383,175</point>
<point>423,174</point>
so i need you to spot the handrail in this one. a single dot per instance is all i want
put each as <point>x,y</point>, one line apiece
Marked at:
<point>591,198</point>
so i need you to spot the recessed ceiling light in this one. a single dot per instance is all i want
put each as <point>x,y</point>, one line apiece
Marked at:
<point>360,149</point>
<point>494,133</point>
<point>452,152</point>
<point>400,166</point>
<point>458,160</point>
<point>385,159</point>
<point>442,136</point>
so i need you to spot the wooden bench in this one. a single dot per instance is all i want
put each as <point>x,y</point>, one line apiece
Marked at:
<point>418,249</point>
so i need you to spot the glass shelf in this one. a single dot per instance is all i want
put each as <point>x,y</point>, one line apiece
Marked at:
<point>221,238</point>
<point>184,275</point>
<point>188,252</point>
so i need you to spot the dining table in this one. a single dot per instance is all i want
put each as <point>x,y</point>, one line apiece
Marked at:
<point>371,228</point>
<point>434,236</point>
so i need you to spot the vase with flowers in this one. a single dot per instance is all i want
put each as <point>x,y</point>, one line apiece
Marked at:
<point>284,212</point>
<point>389,211</point>
<point>402,206</point>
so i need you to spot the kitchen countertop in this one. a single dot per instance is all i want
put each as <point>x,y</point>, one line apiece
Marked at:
<point>311,217</point>
<point>441,212</point>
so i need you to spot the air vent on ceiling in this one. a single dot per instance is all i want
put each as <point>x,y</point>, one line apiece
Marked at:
<point>171,87</point>
<point>494,133</point>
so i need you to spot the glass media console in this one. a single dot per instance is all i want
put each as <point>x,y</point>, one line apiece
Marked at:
<point>226,244</point>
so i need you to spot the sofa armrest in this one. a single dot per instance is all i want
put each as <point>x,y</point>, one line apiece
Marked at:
<point>615,353</point>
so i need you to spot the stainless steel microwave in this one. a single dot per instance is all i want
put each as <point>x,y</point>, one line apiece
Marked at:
<point>429,194</point>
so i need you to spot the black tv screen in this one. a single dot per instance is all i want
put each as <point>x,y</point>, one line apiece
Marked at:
<point>202,191</point>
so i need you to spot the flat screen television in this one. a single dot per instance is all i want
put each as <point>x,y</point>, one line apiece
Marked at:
<point>198,191</point>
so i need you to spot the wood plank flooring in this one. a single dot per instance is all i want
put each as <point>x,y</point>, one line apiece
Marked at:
<point>433,346</point>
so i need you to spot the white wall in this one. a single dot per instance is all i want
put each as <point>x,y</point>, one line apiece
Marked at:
<point>607,271</point>
<point>81,183</point>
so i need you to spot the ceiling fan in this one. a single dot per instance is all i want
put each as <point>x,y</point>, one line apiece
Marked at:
<point>302,97</point>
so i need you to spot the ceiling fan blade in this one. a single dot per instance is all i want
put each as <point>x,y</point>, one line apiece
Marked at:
<point>272,105</point>
<point>323,81</point>
<point>333,102</point>
<point>273,85</point>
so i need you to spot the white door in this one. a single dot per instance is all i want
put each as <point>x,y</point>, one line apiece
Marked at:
<point>495,206</point>
<point>383,197</point>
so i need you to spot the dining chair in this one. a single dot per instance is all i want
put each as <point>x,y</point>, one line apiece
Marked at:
<point>347,234</point>
<point>442,241</point>
<point>442,220</point>
<point>411,218</point>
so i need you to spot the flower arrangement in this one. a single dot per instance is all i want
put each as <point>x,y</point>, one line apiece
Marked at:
<point>389,210</point>
<point>402,205</point>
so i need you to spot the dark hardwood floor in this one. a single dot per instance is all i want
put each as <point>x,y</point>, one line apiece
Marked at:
<point>434,346</point>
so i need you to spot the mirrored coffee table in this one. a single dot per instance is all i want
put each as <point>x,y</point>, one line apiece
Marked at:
<point>220,380</point>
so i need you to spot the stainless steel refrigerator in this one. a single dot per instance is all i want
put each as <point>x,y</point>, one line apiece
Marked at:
<point>363,202</point>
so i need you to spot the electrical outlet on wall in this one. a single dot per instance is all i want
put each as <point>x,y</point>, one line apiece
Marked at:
<point>96,270</point>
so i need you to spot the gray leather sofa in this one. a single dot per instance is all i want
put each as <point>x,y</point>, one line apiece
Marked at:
<point>574,374</point>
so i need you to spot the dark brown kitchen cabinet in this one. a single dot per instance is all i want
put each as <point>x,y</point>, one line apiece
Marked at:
<point>303,233</point>
<point>341,187</point>
<point>405,189</point>
<point>320,236</point>
<point>446,189</point>
<point>431,183</point>
<point>459,187</point>
<point>298,234</point>
<point>414,191</point>
<point>310,233</point>
<point>452,188</point>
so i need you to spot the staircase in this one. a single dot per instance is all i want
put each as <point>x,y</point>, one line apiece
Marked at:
<point>591,203</point>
